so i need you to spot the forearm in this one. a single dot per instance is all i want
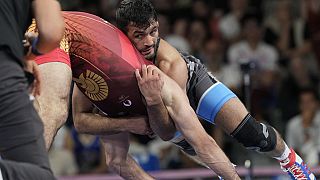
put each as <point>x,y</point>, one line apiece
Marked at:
<point>160,121</point>
<point>99,125</point>
<point>50,24</point>
<point>206,148</point>
<point>130,170</point>
<point>212,155</point>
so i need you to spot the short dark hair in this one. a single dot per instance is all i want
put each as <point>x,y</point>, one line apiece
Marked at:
<point>140,12</point>
<point>310,90</point>
<point>251,15</point>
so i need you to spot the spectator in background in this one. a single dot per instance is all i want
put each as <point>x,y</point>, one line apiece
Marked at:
<point>291,36</point>
<point>89,153</point>
<point>178,37</point>
<point>253,50</point>
<point>141,153</point>
<point>107,9</point>
<point>312,9</point>
<point>303,130</point>
<point>299,77</point>
<point>165,27</point>
<point>61,156</point>
<point>213,57</point>
<point>200,10</point>
<point>230,25</point>
<point>197,35</point>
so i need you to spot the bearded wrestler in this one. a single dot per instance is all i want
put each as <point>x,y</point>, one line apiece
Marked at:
<point>211,100</point>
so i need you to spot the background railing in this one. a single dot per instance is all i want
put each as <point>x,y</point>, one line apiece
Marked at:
<point>198,174</point>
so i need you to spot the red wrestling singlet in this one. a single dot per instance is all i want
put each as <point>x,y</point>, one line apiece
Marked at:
<point>103,62</point>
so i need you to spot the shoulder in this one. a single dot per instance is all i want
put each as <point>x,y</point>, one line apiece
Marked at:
<point>167,51</point>
<point>167,54</point>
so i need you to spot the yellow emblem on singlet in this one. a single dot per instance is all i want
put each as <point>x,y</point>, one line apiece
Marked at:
<point>94,85</point>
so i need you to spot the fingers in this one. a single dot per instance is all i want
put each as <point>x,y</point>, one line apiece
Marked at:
<point>147,72</point>
<point>144,71</point>
<point>138,76</point>
<point>153,72</point>
<point>30,36</point>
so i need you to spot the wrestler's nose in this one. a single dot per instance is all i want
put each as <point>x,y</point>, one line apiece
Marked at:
<point>148,41</point>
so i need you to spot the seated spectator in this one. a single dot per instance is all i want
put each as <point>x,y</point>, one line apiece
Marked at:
<point>140,152</point>
<point>61,157</point>
<point>303,130</point>
<point>89,153</point>
<point>299,77</point>
<point>312,10</point>
<point>198,33</point>
<point>230,25</point>
<point>212,56</point>
<point>291,36</point>
<point>252,50</point>
<point>178,37</point>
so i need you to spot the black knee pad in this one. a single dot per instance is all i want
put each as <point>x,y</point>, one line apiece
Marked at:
<point>255,136</point>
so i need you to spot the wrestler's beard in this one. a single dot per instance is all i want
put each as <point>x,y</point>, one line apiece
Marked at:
<point>150,56</point>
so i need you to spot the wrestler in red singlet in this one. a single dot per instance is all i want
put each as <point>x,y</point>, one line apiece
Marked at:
<point>103,61</point>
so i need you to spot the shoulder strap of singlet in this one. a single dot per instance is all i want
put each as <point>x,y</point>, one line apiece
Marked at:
<point>156,51</point>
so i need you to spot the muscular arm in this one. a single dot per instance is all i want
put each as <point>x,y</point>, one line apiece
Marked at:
<point>117,157</point>
<point>50,24</point>
<point>87,122</point>
<point>187,122</point>
<point>172,64</point>
<point>159,118</point>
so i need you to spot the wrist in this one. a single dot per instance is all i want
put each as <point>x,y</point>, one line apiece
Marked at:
<point>153,101</point>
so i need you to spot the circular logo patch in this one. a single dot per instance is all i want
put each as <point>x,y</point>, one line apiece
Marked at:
<point>94,85</point>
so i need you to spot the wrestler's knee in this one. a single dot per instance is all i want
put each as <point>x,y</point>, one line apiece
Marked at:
<point>53,106</point>
<point>255,136</point>
<point>54,99</point>
<point>113,161</point>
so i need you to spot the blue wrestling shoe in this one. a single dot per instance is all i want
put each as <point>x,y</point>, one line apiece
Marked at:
<point>296,168</point>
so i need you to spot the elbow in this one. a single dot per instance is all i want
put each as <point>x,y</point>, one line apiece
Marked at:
<point>52,38</point>
<point>56,37</point>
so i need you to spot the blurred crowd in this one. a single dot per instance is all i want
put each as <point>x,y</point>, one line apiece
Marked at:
<point>267,52</point>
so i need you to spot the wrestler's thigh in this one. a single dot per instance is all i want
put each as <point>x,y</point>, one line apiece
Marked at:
<point>231,115</point>
<point>56,79</point>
